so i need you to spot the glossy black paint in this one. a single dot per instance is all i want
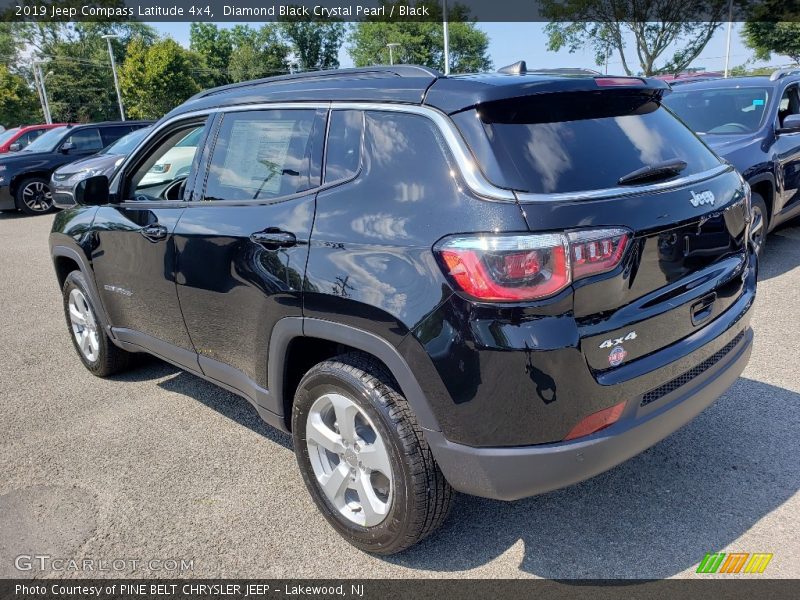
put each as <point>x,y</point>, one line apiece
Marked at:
<point>370,263</point>
<point>21,165</point>
<point>769,160</point>
<point>210,297</point>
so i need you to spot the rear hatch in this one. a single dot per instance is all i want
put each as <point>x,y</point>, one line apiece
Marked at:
<point>613,159</point>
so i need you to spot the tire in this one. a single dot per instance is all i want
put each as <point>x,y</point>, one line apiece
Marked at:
<point>760,221</point>
<point>33,196</point>
<point>415,496</point>
<point>97,352</point>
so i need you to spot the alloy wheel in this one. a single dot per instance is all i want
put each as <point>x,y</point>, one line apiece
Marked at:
<point>37,196</point>
<point>350,459</point>
<point>84,325</point>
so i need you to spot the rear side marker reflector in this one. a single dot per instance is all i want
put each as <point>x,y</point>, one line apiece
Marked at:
<point>596,421</point>
<point>520,267</point>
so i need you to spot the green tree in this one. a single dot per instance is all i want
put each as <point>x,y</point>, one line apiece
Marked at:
<point>215,46</point>
<point>157,78</point>
<point>781,37</point>
<point>422,43</point>
<point>18,102</point>
<point>257,53</point>
<point>315,44</point>
<point>10,45</point>
<point>75,62</point>
<point>79,81</point>
<point>655,25</point>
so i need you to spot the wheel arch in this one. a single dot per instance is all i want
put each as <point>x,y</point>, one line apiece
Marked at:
<point>66,260</point>
<point>314,340</point>
<point>764,186</point>
<point>16,180</point>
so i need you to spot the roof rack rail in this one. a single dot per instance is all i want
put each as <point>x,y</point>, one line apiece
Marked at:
<point>521,68</point>
<point>373,71</point>
<point>780,73</point>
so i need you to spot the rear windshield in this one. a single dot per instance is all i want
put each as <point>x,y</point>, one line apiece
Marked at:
<point>720,111</point>
<point>572,142</point>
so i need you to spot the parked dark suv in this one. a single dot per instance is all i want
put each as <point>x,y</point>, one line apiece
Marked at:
<point>500,284</point>
<point>25,175</point>
<point>754,123</point>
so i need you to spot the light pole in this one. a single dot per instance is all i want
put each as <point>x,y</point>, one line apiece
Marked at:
<point>391,46</point>
<point>446,38</point>
<point>107,38</point>
<point>38,75</point>
<point>728,38</point>
<point>38,87</point>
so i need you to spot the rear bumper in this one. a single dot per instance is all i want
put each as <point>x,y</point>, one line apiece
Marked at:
<point>517,472</point>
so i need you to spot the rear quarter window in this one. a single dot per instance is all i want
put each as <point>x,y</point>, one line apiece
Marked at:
<point>343,150</point>
<point>574,142</point>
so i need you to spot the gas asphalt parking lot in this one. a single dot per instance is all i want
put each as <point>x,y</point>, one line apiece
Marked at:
<point>157,464</point>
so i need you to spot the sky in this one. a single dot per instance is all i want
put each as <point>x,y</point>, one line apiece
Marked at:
<point>510,42</point>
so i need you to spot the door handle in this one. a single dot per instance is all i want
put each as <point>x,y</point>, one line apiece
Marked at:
<point>154,232</point>
<point>273,238</point>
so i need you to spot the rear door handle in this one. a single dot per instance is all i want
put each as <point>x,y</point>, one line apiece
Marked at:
<point>273,238</point>
<point>154,232</point>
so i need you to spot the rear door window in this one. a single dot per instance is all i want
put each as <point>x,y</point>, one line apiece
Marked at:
<point>263,154</point>
<point>573,142</point>
<point>112,134</point>
<point>86,139</point>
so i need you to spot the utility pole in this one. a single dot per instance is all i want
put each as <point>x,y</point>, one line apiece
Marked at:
<point>37,68</point>
<point>391,46</point>
<point>107,38</point>
<point>728,38</point>
<point>446,38</point>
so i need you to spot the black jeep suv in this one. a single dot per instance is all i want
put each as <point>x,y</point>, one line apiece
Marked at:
<point>754,123</point>
<point>500,284</point>
<point>25,175</point>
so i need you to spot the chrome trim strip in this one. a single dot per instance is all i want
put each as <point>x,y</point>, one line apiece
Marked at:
<point>617,192</point>
<point>472,175</point>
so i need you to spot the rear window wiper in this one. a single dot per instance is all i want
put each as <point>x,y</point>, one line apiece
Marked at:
<point>661,170</point>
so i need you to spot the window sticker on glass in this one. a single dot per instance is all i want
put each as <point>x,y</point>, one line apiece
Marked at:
<point>255,162</point>
<point>758,102</point>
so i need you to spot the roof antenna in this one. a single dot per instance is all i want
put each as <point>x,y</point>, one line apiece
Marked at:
<point>518,68</point>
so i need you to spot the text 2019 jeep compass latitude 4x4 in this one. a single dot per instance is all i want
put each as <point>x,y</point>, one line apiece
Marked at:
<point>500,284</point>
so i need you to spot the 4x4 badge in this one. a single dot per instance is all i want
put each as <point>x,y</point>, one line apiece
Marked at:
<point>631,335</point>
<point>706,197</point>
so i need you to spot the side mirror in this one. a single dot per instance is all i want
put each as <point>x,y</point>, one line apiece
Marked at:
<point>66,147</point>
<point>791,124</point>
<point>92,191</point>
<point>15,147</point>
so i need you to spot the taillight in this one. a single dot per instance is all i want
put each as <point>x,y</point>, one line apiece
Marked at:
<point>596,251</point>
<point>509,267</point>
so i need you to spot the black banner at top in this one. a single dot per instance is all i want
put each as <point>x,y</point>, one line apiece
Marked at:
<point>400,10</point>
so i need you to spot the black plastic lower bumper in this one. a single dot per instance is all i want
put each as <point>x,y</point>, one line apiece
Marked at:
<point>517,472</point>
<point>7,201</point>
